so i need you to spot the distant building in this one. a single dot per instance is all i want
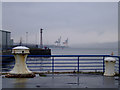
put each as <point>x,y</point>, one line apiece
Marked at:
<point>5,39</point>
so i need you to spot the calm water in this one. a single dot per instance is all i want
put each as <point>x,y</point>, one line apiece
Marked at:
<point>84,51</point>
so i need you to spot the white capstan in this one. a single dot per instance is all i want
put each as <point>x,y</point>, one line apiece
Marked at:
<point>20,47</point>
<point>20,53</point>
<point>20,50</point>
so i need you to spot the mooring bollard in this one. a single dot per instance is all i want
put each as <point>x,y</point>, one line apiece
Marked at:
<point>109,66</point>
<point>20,69</point>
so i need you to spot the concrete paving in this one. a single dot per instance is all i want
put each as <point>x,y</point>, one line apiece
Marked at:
<point>63,81</point>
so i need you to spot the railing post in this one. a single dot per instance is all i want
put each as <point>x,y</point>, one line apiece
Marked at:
<point>78,65</point>
<point>52,64</point>
<point>103,64</point>
<point>119,65</point>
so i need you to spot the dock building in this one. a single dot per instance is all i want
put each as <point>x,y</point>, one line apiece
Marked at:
<point>5,40</point>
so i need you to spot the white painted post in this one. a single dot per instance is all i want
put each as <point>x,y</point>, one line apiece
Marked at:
<point>109,66</point>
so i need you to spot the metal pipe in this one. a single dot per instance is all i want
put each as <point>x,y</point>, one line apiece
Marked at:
<point>78,64</point>
<point>26,38</point>
<point>119,65</point>
<point>52,64</point>
<point>103,65</point>
<point>41,44</point>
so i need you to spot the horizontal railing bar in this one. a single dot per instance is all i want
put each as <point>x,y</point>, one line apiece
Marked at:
<point>90,62</point>
<point>51,66</point>
<point>117,66</point>
<point>54,69</point>
<point>69,63</point>
<point>8,60</point>
<point>38,60</point>
<point>90,59</point>
<point>57,69</point>
<point>38,63</point>
<point>56,60</point>
<point>6,55</point>
<point>5,66</point>
<point>92,69</point>
<point>76,63</point>
<point>79,63</point>
<point>71,56</point>
<point>62,69</point>
<point>79,69</point>
<point>49,69</point>
<point>67,60</point>
<point>65,69</point>
<point>40,69</point>
<point>55,63</point>
<point>92,66</point>
<point>67,66</point>
<point>117,63</point>
<point>7,63</point>
<point>39,66</point>
<point>65,63</point>
<point>63,56</point>
<point>3,70</point>
<point>60,63</point>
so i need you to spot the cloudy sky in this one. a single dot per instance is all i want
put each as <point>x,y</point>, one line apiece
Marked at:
<point>80,22</point>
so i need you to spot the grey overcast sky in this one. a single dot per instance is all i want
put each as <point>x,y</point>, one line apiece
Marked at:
<point>80,22</point>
